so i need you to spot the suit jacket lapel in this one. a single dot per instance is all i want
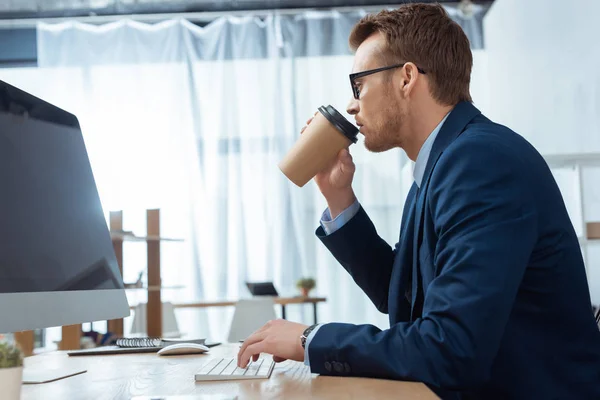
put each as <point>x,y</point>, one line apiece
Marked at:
<point>459,117</point>
<point>401,273</point>
<point>456,122</point>
<point>416,286</point>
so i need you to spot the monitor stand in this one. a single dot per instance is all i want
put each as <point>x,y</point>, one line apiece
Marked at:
<point>38,374</point>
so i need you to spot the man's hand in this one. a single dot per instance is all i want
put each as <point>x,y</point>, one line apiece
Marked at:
<point>335,181</point>
<point>279,337</point>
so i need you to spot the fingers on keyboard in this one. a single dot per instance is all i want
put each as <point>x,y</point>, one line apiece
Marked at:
<point>226,368</point>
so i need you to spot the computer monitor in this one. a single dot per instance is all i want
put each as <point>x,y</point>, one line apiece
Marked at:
<point>262,289</point>
<point>57,264</point>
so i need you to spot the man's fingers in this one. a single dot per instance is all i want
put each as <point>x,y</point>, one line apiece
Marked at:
<point>254,338</point>
<point>305,126</point>
<point>345,157</point>
<point>255,357</point>
<point>251,350</point>
<point>308,121</point>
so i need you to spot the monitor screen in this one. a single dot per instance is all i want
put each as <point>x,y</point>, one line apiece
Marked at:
<point>53,233</point>
<point>262,288</point>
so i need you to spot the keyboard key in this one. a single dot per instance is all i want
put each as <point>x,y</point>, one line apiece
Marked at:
<point>231,366</point>
<point>254,367</point>
<point>209,366</point>
<point>221,367</point>
<point>265,368</point>
<point>239,371</point>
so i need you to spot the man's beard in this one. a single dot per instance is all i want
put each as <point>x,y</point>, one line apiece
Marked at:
<point>385,133</point>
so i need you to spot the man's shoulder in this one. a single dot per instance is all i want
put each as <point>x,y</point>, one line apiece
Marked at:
<point>485,138</point>
<point>488,149</point>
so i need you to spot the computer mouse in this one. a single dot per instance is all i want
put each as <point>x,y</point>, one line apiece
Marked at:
<point>182,348</point>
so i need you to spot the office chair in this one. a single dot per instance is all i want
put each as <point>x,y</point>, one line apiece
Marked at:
<point>249,315</point>
<point>169,322</point>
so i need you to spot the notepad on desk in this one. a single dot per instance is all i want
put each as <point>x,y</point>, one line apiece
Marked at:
<point>136,345</point>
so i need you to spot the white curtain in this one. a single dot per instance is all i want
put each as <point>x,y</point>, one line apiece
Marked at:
<point>194,121</point>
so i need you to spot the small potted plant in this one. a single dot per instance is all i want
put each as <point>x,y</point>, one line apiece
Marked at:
<point>306,285</point>
<point>11,371</point>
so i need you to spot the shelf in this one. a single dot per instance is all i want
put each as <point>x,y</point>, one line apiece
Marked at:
<point>577,162</point>
<point>130,237</point>
<point>564,160</point>
<point>584,241</point>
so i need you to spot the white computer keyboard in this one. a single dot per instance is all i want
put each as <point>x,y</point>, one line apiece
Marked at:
<point>221,369</point>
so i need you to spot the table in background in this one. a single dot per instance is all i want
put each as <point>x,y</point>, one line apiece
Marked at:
<point>283,301</point>
<point>125,376</point>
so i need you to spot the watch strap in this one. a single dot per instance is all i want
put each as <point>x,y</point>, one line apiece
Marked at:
<point>305,334</point>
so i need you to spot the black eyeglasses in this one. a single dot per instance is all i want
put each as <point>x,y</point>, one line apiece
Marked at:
<point>357,75</point>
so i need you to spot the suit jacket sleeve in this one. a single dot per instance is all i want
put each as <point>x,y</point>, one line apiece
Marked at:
<point>365,255</point>
<point>485,221</point>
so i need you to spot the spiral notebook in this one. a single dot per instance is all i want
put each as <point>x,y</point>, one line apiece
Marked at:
<point>137,345</point>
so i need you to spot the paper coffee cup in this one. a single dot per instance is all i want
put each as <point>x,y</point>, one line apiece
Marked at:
<point>319,144</point>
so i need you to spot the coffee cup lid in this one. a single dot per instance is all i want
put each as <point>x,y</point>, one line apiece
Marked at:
<point>341,123</point>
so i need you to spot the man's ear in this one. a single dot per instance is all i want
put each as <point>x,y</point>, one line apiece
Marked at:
<point>410,75</point>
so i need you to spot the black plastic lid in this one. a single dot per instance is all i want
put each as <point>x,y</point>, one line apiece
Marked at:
<point>341,123</point>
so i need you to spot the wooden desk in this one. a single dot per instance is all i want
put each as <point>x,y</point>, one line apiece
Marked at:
<point>125,376</point>
<point>283,301</point>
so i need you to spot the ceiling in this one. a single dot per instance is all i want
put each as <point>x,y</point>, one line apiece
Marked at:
<point>12,9</point>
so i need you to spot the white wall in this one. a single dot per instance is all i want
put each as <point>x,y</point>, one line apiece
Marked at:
<point>544,65</point>
<point>543,62</point>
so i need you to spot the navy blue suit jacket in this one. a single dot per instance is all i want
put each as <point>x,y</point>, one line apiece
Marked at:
<point>486,289</point>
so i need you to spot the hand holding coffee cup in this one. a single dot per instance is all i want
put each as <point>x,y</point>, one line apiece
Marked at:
<point>338,175</point>
<point>322,152</point>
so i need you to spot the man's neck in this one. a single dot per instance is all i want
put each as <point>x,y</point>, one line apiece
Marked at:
<point>421,125</point>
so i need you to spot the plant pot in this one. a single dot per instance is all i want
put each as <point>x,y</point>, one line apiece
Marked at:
<point>10,383</point>
<point>305,291</point>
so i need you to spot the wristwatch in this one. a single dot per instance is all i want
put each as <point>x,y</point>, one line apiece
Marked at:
<point>305,335</point>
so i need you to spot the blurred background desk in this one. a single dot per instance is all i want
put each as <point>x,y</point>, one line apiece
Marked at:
<point>283,301</point>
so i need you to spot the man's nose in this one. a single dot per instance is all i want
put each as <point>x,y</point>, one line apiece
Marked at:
<point>353,107</point>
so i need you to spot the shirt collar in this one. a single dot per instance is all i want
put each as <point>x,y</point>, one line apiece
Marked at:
<point>424,152</point>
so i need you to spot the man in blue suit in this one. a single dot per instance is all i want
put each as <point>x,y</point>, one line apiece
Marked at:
<point>486,289</point>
